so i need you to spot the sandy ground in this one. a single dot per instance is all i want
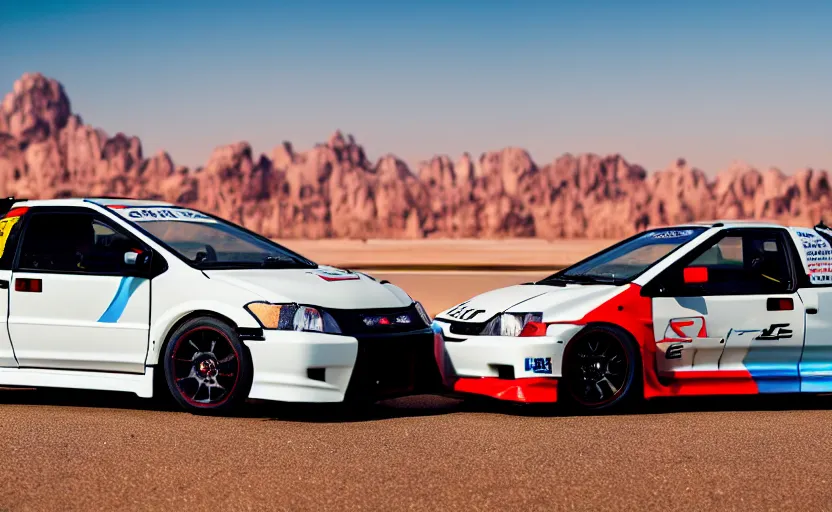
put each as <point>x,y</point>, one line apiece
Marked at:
<point>101,451</point>
<point>106,452</point>
<point>460,253</point>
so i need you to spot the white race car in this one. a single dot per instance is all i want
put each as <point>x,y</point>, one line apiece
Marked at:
<point>702,309</point>
<point>118,294</point>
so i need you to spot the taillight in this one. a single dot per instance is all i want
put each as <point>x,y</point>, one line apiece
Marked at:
<point>534,329</point>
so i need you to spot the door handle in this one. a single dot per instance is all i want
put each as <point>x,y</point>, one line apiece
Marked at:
<point>784,304</point>
<point>4,285</point>
<point>811,311</point>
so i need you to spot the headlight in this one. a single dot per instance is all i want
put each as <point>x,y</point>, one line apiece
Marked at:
<point>291,317</point>
<point>422,313</point>
<point>516,324</point>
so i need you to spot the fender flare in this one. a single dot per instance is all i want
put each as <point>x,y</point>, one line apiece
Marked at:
<point>161,328</point>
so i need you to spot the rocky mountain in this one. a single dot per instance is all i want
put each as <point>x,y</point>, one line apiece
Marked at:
<point>334,190</point>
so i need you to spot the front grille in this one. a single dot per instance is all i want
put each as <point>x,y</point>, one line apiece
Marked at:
<point>466,328</point>
<point>395,365</point>
<point>351,321</point>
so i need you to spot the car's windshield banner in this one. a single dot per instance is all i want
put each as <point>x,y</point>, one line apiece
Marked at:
<point>672,234</point>
<point>161,213</point>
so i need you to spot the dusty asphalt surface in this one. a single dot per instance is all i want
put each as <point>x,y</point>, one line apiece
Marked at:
<point>102,451</point>
<point>108,451</point>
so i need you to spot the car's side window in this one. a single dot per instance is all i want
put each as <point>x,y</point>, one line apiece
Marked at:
<point>73,242</point>
<point>745,262</point>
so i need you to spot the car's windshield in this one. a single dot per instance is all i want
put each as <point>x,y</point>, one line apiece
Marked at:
<point>207,242</point>
<point>624,262</point>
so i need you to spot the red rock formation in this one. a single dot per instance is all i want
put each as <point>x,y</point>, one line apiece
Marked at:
<point>333,190</point>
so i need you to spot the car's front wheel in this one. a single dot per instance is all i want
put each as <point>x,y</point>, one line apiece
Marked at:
<point>207,369</point>
<point>600,370</point>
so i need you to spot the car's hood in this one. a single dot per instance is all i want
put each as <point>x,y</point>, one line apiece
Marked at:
<point>557,303</point>
<point>324,286</point>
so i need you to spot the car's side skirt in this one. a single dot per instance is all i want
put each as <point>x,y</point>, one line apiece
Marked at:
<point>140,384</point>
<point>526,390</point>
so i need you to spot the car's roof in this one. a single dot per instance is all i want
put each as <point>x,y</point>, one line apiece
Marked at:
<point>733,223</point>
<point>81,201</point>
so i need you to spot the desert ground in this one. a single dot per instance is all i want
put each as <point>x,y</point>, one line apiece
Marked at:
<point>102,451</point>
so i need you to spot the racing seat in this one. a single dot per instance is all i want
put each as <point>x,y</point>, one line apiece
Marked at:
<point>50,245</point>
<point>768,265</point>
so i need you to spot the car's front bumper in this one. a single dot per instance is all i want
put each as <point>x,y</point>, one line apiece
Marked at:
<point>521,369</point>
<point>293,366</point>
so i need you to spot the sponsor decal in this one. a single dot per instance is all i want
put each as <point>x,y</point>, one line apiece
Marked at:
<point>686,328</point>
<point>460,312</point>
<point>539,365</point>
<point>775,332</point>
<point>671,234</point>
<point>674,351</point>
<point>740,332</point>
<point>160,213</point>
<point>818,253</point>
<point>6,226</point>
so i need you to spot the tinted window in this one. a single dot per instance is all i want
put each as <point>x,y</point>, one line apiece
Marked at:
<point>743,263</point>
<point>74,242</point>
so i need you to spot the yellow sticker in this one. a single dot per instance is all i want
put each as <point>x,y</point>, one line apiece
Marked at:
<point>5,229</point>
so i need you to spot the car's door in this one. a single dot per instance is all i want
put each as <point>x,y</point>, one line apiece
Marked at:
<point>75,300</point>
<point>729,311</point>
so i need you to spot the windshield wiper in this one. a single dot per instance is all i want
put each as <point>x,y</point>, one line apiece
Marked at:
<point>552,281</point>
<point>596,279</point>
<point>282,262</point>
<point>581,279</point>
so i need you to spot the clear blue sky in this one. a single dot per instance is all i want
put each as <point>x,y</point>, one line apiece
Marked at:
<point>711,81</point>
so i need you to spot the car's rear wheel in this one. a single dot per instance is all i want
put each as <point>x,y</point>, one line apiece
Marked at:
<point>600,370</point>
<point>207,368</point>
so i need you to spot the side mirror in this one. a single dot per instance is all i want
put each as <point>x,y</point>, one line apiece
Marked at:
<point>140,260</point>
<point>695,275</point>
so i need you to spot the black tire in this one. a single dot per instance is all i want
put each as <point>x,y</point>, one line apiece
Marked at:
<point>207,368</point>
<point>601,371</point>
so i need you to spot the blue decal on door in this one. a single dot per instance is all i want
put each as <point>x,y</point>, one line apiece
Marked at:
<point>774,368</point>
<point>126,288</point>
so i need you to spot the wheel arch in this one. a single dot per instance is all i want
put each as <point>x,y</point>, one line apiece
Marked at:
<point>609,326</point>
<point>616,329</point>
<point>163,329</point>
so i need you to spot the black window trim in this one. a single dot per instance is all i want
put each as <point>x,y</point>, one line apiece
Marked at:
<point>96,215</point>
<point>791,256</point>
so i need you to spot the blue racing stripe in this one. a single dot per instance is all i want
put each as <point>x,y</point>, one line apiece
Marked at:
<point>126,288</point>
<point>774,369</point>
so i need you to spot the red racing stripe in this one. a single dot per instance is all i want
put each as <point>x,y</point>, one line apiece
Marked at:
<point>634,313</point>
